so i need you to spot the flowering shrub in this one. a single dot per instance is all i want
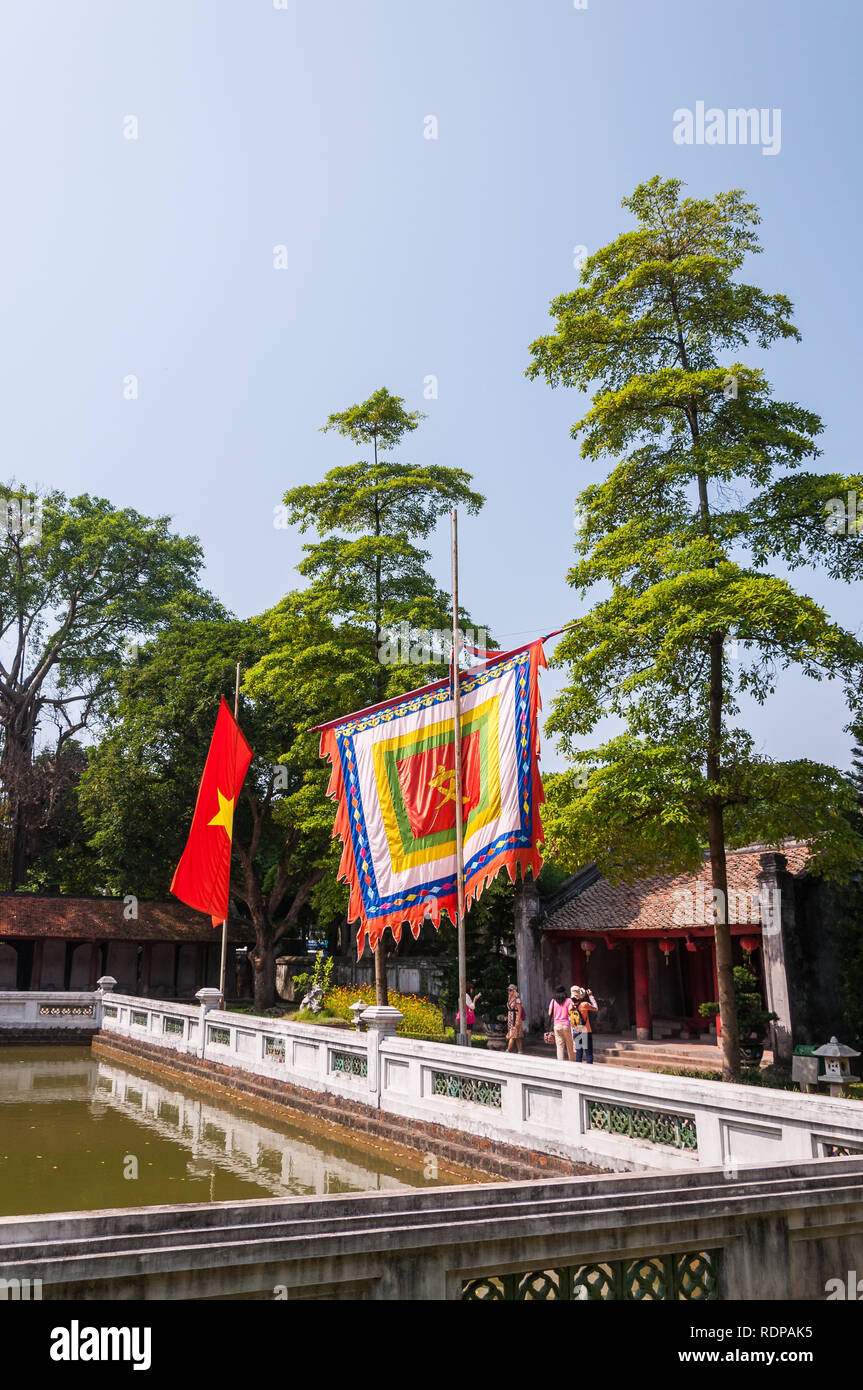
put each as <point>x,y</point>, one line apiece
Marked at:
<point>420,1015</point>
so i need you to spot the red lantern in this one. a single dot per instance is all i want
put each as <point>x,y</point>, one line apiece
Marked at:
<point>666,947</point>
<point>750,944</point>
<point>587,947</point>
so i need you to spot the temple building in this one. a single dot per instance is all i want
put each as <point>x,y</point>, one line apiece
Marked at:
<point>647,951</point>
<point>163,949</point>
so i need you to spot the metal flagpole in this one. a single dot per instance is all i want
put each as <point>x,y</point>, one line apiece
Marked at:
<point>224,959</point>
<point>463,1035</point>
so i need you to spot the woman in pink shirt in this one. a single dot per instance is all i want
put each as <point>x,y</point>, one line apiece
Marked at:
<point>558,1011</point>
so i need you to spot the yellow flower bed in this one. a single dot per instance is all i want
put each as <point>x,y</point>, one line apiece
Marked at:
<point>420,1015</point>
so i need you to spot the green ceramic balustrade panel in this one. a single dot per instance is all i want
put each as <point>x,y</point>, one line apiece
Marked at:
<point>470,1088</point>
<point>654,1126</point>
<point>689,1277</point>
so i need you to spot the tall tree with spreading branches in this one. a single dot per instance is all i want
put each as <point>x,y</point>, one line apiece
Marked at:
<point>139,790</point>
<point>74,592</point>
<point>708,488</point>
<point>366,569</point>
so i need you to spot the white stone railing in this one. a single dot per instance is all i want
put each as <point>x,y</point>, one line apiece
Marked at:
<point>619,1119</point>
<point>49,1009</point>
<point>330,1060</point>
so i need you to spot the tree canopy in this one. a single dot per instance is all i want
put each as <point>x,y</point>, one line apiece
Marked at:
<point>313,656</point>
<point>367,573</point>
<point>366,568</point>
<point>73,593</point>
<point>708,487</point>
<point>138,792</point>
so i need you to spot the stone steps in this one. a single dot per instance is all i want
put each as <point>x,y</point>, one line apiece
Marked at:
<point>644,1056</point>
<point>654,1061</point>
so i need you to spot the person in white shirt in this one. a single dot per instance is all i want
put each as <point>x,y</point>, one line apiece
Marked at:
<point>470,1001</point>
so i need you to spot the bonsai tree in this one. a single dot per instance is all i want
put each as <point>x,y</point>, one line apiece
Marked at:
<point>315,983</point>
<point>752,1018</point>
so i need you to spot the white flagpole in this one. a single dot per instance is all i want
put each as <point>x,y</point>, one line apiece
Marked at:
<point>224,959</point>
<point>463,1035</point>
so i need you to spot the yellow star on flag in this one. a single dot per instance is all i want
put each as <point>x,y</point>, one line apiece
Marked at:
<point>225,814</point>
<point>444,782</point>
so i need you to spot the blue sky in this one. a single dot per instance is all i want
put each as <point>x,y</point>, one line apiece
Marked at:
<point>407,257</point>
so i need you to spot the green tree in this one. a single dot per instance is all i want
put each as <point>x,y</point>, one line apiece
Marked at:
<point>856,773</point>
<point>706,490</point>
<point>60,858</point>
<point>74,590</point>
<point>138,793</point>
<point>366,570</point>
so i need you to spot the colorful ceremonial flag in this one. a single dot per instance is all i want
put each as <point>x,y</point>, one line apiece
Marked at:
<point>393,777</point>
<point>203,874</point>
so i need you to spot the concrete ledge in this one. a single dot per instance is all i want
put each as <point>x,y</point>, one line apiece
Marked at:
<point>425,1244</point>
<point>59,1037</point>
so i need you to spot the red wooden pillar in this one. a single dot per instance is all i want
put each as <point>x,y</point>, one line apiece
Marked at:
<point>641,976</point>
<point>578,963</point>
<point>715,986</point>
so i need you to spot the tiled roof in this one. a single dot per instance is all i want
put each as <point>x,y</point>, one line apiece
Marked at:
<point>589,903</point>
<point>103,919</point>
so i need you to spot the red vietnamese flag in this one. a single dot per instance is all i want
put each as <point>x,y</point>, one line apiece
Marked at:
<point>203,874</point>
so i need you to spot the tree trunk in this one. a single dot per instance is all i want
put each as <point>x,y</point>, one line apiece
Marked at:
<point>263,959</point>
<point>722,936</point>
<point>16,774</point>
<point>381,994</point>
<point>719,873</point>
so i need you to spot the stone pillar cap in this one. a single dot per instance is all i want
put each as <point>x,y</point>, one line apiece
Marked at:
<point>380,1015</point>
<point>106,982</point>
<point>207,993</point>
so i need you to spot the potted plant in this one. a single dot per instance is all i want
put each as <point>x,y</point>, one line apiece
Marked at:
<point>496,1032</point>
<point>753,1019</point>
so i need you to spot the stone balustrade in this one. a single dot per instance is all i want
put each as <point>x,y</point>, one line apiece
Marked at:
<point>617,1119</point>
<point>40,1011</point>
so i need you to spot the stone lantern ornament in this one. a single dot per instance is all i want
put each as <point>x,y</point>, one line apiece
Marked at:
<point>837,1066</point>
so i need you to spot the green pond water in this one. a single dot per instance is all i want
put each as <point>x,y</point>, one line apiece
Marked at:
<point>77,1134</point>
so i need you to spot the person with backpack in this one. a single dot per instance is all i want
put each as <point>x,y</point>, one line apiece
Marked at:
<point>561,1028</point>
<point>515,1017</point>
<point>582,1005</point>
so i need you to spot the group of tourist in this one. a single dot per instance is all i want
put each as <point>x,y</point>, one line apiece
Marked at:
<point>571,1030</point>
